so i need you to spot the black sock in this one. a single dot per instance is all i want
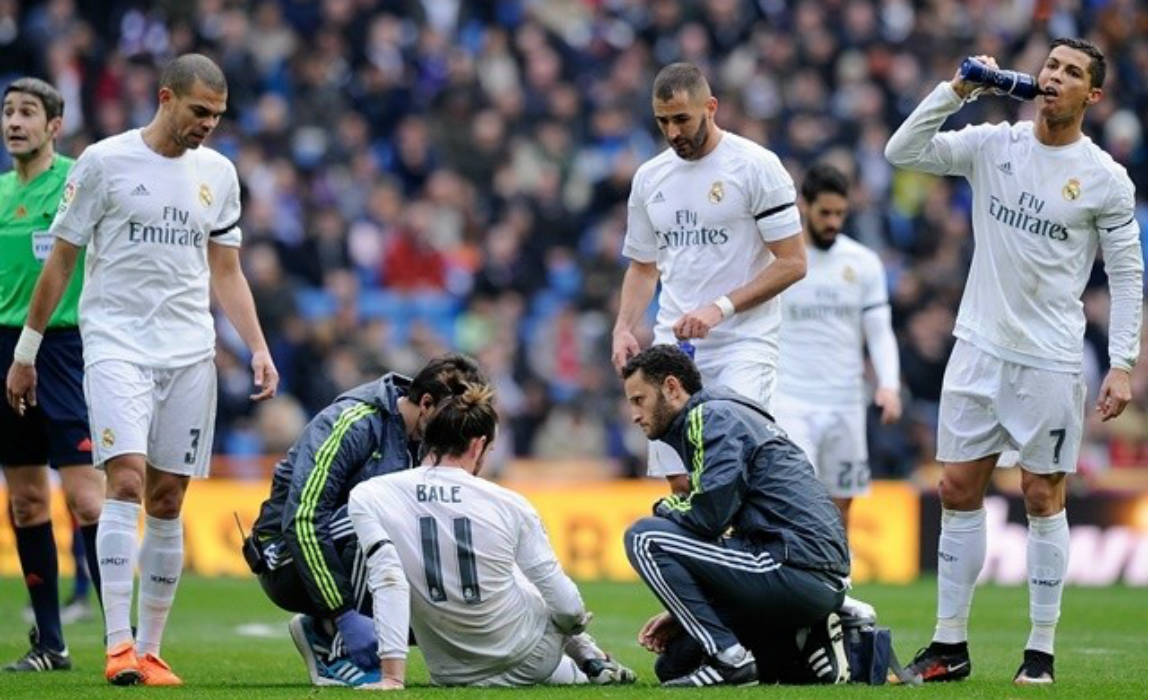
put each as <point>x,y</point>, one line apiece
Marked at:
<point>80,582</point>
<point>88,532</point>
<point>37,549</point>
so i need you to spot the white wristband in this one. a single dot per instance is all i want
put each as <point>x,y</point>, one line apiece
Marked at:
<point>27,346</point>
<point>726,306</point>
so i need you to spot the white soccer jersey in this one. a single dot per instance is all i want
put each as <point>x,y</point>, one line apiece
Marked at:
<point>147,221</point>
<point>463,542</point>
<point>821,342</point>
<point>1039,215</point>
<point>705,224</point>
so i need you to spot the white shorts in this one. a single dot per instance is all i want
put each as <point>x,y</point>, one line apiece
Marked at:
<point>834,439</point>
<point>990,406</point>
<point>167,415</point>
<point>755,380</point>
<point>546,663</point>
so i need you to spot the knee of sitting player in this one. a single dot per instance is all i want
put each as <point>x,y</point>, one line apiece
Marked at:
<point>959,492</point>
<point>1045,494</point>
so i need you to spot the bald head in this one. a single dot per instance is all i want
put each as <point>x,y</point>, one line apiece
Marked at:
<point>681,77</point>
<point>184,71</point>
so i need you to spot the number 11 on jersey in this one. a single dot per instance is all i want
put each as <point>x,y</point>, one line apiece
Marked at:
<point>464,552</point>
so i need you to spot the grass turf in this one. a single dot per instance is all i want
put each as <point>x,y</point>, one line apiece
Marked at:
<point>227,641</point>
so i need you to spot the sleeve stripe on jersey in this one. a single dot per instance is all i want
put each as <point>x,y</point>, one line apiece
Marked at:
<point>774,210</point>
<point>375,548</point>
<point>1108,229</point>
<point>305,516</point>
<point>225,229</point>
<point>695,438</point>
<point>875,306</point>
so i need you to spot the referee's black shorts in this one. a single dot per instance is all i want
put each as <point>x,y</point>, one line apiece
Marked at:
<point>55,431</point>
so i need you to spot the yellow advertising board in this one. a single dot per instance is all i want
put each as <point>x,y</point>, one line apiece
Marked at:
<point>585,521</point>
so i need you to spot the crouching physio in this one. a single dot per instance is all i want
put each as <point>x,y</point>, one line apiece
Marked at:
<point>751,563</point>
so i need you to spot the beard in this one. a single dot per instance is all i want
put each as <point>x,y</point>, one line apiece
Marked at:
<point>661,417</point>
<point>824,239</point>
<point>695,143</point>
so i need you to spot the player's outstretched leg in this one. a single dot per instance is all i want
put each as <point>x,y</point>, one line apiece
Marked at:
<point>596,664</point>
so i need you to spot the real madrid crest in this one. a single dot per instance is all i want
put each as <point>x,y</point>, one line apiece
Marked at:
<point>205,195</point>
<point>849,274</point>
<point>1072,190</point>
<point>108,438</point>
<point>716,193</point>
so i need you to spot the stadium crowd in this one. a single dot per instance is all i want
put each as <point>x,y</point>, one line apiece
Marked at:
<point>430,174</point>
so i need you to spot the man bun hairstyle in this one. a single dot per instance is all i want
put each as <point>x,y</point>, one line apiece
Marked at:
<point>661,361</point>
<point>443,376</point>
<point>50,98</point>
<point>182,72</point>
<point>459,419</point>
<point>1097,60</point>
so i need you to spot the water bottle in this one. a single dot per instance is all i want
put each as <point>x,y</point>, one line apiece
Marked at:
<point>687,347</point>
<point>1020,86</point>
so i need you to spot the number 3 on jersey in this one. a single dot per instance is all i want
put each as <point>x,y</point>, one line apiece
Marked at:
<point>464,552</point>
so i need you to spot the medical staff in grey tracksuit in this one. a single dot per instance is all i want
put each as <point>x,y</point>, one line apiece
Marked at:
<point>756,549</point>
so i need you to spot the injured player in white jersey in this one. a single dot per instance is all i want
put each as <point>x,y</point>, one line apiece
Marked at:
<point>467,564</point>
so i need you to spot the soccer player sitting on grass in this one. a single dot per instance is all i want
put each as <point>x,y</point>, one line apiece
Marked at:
<point>470,563</point>
<point>303,548</point>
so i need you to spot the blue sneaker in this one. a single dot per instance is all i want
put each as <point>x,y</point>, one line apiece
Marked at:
<point>315,648</point>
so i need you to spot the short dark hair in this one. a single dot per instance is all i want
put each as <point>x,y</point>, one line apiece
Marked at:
<point>460,418</point>
<point>661,361</point>
<point>50,98</point>
<point>444,376</point>
<point>823,177</point>
<point>680,77</point>
<point>182,72</point>
<point>1097,60</point>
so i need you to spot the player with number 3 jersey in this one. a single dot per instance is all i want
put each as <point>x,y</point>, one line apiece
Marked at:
<point>159,215</point>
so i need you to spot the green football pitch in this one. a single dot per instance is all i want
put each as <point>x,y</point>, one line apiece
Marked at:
<point>227,641</point>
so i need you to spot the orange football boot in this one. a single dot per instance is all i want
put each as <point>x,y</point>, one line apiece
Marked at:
<point>157,672</point>
<point>122,667</point>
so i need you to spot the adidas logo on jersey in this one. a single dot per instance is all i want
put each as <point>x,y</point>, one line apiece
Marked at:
<point>1006,168</point>
<point>140,190</point>
<point>657,198</point>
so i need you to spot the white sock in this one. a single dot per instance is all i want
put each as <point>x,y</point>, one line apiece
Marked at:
<point>567,673</point>
<point>733,655</point>
<point>161,561</point>
<point>961,553</point>
<point>582,648</point>
<point>117,543</point>
<point>1047,556</point>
